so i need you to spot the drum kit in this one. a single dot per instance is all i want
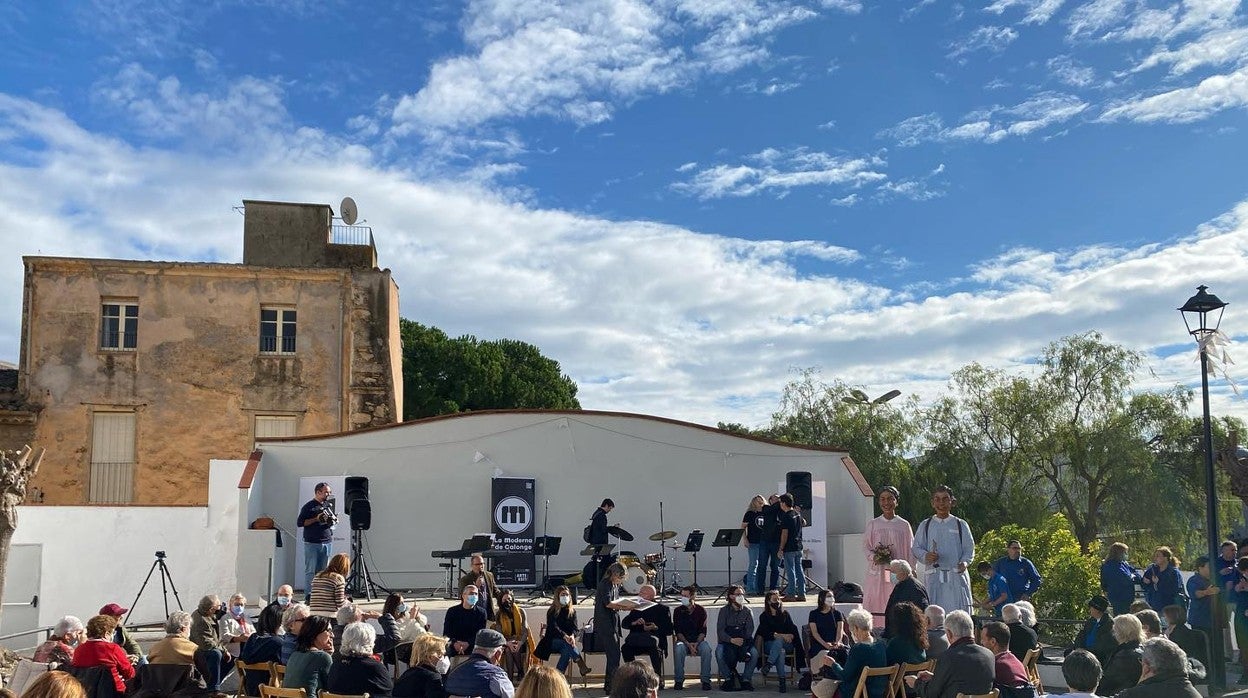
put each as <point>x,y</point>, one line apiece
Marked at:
<point>645,569</point>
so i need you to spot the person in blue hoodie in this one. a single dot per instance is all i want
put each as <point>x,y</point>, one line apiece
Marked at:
<point>998,589</point>
<point>1163,585</point>
<point>1118,578</point>
<point>1019,572</point>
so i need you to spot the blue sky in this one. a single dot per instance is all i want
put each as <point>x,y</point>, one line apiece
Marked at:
<point>681,200</point>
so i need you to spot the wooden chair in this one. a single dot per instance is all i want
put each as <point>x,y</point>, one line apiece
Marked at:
<point>327,694</point>
<point>243,667</point>
<point>790,660</point>
<point>992,694</point>
<point>402,658</point>
<point>267,691</point>
<point>277,672</point>
<point>1031,662</point>
<point>899,681</point>
<point>890,672</point>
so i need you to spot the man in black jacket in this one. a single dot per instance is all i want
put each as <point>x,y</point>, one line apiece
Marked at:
<point>1097,634</point>
<point>648,631</point>
<point>1163,672</point>
<point>963,668</point>
<point>907,588</point>
<point>598,523</point>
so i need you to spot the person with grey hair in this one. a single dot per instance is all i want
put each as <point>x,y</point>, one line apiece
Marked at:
<point>963,668</point>
<point>1123,668</point>
<point>865,653</point>
<point>176,647</point>
<point>480,675</point>
<point>1026,613</point>
<point>937,640</point>
<point>1023,639</point>
<point>906,588</point>
<point>1082,673</point>
<point>216,662</point>
<point>59,647</point>
<point>292,622</point>
<point>345,616</point>
<point>356,672</point>
<point>1163,672</point>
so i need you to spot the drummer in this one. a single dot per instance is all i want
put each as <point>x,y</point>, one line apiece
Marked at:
<point>598,523</point>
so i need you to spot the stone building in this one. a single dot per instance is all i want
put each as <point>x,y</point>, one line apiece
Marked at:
<point>133,374</point>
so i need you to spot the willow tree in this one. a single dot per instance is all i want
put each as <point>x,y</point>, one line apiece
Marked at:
<point>16,469</point>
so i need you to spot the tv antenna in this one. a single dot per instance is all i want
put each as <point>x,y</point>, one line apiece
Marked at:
<point>348,210</point>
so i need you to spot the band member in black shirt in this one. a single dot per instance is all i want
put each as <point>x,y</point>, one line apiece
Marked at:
<point>770,544</point>
<point>752,523</point>
<point>791,548</point>
<point>598,523</point>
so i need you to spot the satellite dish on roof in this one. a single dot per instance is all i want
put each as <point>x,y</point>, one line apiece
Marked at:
<point>348,210</point>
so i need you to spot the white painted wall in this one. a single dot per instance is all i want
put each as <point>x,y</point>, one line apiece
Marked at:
<point>93,555</point>
<point>427,492</point>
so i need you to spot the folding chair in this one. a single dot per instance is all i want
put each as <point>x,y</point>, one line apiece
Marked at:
<point>243,667</point>
<point>327,694</point>
<point>888,671</point>
<point>904,669</point>
<point>267,691</point>
<point>277,672</point>
<point>993,694</point>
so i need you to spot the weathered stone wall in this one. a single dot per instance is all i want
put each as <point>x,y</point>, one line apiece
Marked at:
<point>279,234</point>
<point>373,323</point>
<point>197,379</point>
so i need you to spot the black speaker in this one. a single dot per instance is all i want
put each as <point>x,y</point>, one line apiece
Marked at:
<point>796,483</point>
<point>361,515</point>
<point>356,488</point>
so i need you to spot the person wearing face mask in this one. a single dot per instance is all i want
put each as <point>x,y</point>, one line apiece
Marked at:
<point>483,580</point>
<point>234,625</point>
<point>998,589</point>
<point>778,633</point>
<point>560,635</point>
<point>216,660</point>
<point>734,629</point>
<point>462,622</point>
<point>689,624</point>
<point>906,589</point>
<point>429,664</point>
<point>607,618</point>
<point>827,635</point>
<point>513,624</point>
<point>400,622</point>
<point>271,615</point>
<point>59,648</point>
<point>648,631</point>
<point>886,531</point>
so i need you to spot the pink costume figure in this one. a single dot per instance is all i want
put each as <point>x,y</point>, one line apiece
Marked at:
<point>893,531</point>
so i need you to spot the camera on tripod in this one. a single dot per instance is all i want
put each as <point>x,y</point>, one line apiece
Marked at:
<point>160,554</point>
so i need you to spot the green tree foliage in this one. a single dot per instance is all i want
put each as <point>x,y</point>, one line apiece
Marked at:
<point>442,375</point>
<point>1071,576</point>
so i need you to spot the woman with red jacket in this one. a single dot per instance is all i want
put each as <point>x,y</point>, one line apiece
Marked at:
<point>99,650</point>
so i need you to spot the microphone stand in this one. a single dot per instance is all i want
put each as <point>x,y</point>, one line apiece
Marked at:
<point>540,591</point>
<point>663,590</point>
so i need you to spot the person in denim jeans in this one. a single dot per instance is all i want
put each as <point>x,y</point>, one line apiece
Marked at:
<point>791,548</point>
<point>752,524</point>
<point>689,624</point>
<point>769,547</point>
<point>318,534</point>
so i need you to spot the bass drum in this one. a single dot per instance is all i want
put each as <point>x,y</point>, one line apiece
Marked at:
<point>592,572</point>
<point>634,577</point>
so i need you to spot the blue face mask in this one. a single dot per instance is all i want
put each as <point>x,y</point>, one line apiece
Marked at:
<point>283,600</point>
<point>684,601</point>
<point>473,599</point>
<point>401,609</point>
<point>237,610</point>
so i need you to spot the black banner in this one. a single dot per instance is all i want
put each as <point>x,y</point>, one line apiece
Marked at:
<point>514,531</point>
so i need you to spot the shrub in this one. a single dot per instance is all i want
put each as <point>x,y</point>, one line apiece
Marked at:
<point>1070,577</point>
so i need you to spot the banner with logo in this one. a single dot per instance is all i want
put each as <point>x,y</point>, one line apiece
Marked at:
<point>514,531</point>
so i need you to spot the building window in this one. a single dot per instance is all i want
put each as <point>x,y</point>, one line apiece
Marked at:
<point>119,326</point>
<point>274,425</point>
<point>277,330</point>
<point>112,458</point>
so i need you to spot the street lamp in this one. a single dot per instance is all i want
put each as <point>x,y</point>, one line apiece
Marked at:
<point>857,397</point>
<point>1202,314</point>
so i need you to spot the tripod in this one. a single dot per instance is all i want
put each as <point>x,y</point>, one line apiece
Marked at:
<point>165,577</point>
<point>361,580</point>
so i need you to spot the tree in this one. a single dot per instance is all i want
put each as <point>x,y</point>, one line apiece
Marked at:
<point>1071,576</point>
<point>442,375</point>
<point>16,469</point>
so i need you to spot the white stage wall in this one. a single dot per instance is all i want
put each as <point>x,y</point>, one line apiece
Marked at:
<point>430,485</point>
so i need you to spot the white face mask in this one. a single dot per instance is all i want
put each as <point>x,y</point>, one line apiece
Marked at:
<point>740,599</point>
<point>444,664</point>
<point>565,600</point>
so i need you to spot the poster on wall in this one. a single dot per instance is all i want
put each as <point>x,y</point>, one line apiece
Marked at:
<point>513,528</point>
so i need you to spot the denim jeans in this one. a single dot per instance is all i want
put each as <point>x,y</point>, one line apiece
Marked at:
<point>775,650</point>
<point>215,666</point>
<point>769,563</point>
<point>567,653</point>
<point>704,653</point>
<point>793,572</point>
<point>728,655</point>
<point>752,571</point>
<point>315,559</point>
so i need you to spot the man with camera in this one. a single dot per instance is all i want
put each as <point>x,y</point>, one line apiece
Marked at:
<point>317,519</point>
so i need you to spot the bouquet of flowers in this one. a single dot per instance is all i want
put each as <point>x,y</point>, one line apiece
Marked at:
<point>882,554</point>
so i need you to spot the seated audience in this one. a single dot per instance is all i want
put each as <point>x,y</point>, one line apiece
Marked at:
<point>1023,638</point>
<point>543,682</point>
<point>308,667</point>
<point>1190,640</point>
<point>462,623</point>
<point>1097,634</point>
<point>346,616</point>
<point>480,674</point>
<point>329,587</point>
<point>59,647</point>
<point>908,589</point>
<point>909,642</point>
<point>1163,673</point>
<point>866,652</point>
<point>1082,672</point>
<point>357,671</point>
<point>778,633</point>
<point>214,660</point>
<point>393,611</point>
<point>561,629</point>
<point>99,650</point>
<point>937,638</point>
<point>634,680</point>
<point>54,684</point>
<point>1123,668</point>
<point>689,624</point>
<point>1008,671</point>
<point>176,647</point>
<point>1027,614</point>
<point>271,615</point>
<point>292,621</point>
<point>734,632</point>
<point>963,668</point>
<point>234,626</point>
<point>423,679</point>
<point>120,635</point>
<point>827,629</point>
<point>510,620</point>
<point>1151,622</point>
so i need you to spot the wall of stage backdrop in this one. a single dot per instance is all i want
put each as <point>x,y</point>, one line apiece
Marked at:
<point>434,483</point>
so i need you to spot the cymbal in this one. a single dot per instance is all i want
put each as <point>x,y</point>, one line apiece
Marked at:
<point>662,535</point>
<point>619,533</point>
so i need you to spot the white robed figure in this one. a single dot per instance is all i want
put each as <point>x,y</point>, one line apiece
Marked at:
<point>945,546</point>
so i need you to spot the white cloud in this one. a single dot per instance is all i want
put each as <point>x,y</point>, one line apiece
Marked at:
<point>1217,48</point>
<point>688,324</point>
<point>1131,20</point>
<point>990,39</point>
<point>1036,11</point>
<point>990,125</point>
<point>1070,71</point>
<point>1185,104</point>
<point>777,171</point>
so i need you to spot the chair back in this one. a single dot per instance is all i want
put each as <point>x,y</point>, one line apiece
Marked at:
<point>97,680</point>
<point>267,691</point>
<point>885,671</point>
<point>277,672</point>
<point>256,668</point>
<point>327,694</point>
<point>899,681</point>
<point>994,693</point>
<point>1031,662</point>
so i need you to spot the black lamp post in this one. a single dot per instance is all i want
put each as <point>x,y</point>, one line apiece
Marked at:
<point>1202,313</point>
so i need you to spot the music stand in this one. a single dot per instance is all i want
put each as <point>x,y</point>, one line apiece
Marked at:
<point>727,538</point>
<point>545,546</point>
<point>693,544</point>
